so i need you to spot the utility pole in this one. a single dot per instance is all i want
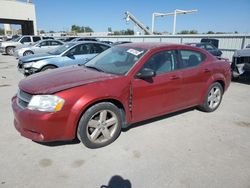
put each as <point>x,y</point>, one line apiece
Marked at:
<point>175,13</point>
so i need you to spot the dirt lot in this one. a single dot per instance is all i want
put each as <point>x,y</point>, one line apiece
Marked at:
<point>186,149</point>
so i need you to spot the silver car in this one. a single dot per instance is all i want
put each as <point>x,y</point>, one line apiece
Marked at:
<point>43,46</point>
<point>72,53</point>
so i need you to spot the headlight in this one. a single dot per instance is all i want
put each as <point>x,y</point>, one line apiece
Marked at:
<point>27,65</point>
<point>46,103</point>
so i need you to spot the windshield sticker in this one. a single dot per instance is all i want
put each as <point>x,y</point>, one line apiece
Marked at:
<point>134,52</point>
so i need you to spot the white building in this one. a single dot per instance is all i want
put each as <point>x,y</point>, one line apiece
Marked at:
<point>17,12</point>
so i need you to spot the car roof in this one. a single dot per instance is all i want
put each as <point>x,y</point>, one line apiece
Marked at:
<point>199,43</point>
<point>151,45</point>
<point>84,42</point>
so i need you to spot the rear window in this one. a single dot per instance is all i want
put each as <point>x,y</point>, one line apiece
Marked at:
<point>190,58</point>
<point>35,39</point>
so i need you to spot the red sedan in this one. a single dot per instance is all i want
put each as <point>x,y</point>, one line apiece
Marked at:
<point>123,85</point>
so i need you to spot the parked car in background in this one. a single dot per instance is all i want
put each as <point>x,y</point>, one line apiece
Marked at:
<point>84,39</point>
<point>207,46</point>
<point>241,63</point>
<point>121,42</point>
<point>74,53</point>
<point>248,46</point>
<point>9,46</point>
<point>42,46</point>
<point>67,39</point>
<point>125,84</point>
<point>214,42</point>
<point>107,42</point>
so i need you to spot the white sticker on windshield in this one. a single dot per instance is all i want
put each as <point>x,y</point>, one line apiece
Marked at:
<point>134,52</point>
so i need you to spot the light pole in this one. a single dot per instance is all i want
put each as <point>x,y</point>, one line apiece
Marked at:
<point>177,11</point>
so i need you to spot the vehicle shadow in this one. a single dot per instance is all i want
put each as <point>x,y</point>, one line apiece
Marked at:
<point>59,143</point>
<point>132,126</point>
<point>243,79</point>
<point>117,182</point>
<point>148,121</point>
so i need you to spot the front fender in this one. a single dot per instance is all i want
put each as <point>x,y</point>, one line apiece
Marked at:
<point>42,63</point>
<point>81,106</point>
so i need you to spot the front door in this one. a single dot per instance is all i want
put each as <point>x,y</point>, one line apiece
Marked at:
<point>160,94</point>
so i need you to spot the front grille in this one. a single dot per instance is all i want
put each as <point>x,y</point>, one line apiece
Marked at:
<point>23,98</point>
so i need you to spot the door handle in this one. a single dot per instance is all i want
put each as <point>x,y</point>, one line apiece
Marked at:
<point>175,77</point>
<point>207,70</point>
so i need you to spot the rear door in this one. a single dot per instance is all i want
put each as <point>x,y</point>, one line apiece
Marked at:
<point>195,71</point>
<point>42,47</point>
<point>161,93</point>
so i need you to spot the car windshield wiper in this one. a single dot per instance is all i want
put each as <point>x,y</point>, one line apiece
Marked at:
<point>93,67</point>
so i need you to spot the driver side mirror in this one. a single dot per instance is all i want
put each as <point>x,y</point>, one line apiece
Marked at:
<point>145,73</point>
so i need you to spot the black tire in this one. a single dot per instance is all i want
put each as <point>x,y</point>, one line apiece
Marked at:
<point>86,130</point>
<point>10,50</point>
<point>28,52</point>
<point>207,106</point>
<point>46,68</point>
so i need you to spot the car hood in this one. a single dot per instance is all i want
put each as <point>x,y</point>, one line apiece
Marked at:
<point>9,43</point>
<point>61,79</point>
<point>36,57</point>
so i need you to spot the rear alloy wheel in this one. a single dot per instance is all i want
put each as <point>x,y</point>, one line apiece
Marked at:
<point>10,50</point>
<point>100,125</point>
<point>28,53</point>
<point>213,97</point>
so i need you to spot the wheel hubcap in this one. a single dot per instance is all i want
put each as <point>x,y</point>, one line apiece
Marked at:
<point>28,53</point>
<point>214,97</point>
<point>11,51</point>
<point>102,126</point>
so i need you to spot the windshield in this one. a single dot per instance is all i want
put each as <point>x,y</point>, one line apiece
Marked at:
<point>16,39</point>
<point>61,49</point>
<point>116,60</point>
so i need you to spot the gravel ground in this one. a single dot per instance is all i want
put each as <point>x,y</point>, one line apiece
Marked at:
<point>185,149</point>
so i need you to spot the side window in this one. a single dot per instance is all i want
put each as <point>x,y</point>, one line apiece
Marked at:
<point>162,62</point>
<point>35,39</point>
<point>98,48</point>
<point>44,43</point>
<point>209,47</point>
<point>80,49</point>
<point>25,39</point>
<point>190,58</point>
<point>84,49</point>
<point>55,43</point>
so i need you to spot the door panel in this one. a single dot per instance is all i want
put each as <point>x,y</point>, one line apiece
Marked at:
<point>156,96</point>
<point>194,81</point>
<point>195,73</point>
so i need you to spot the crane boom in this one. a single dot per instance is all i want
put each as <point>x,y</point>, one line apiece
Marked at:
<point>131,17</point>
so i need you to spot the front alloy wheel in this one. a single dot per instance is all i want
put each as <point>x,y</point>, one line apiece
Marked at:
<point>100,125</point>
<point>10,50</point>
